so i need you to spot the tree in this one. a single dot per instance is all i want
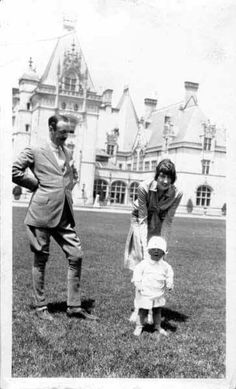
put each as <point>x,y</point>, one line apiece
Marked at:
<point>17,192</point>
<point>223,209</point>
<point>189,206</point>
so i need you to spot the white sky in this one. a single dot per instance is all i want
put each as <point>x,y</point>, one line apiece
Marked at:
<point>151,45</point>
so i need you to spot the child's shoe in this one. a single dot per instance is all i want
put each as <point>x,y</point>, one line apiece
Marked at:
<point>138,330</point>
<point>158,332</point>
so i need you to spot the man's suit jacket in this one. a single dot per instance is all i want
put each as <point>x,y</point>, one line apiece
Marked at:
<point>50,186</point>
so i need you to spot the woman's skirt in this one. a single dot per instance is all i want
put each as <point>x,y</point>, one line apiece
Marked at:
<point>133,246</point>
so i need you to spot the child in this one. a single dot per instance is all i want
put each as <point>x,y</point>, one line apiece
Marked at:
<point>150,277</point>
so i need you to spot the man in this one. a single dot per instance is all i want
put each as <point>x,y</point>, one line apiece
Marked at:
<point>50,212</point>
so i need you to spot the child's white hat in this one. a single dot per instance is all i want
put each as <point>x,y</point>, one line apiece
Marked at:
<point>157,242</point>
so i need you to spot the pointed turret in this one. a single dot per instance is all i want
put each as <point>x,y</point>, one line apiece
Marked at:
<point>30,75</point>
<point>67,64</point>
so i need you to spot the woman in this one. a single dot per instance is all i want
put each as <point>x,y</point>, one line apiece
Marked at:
<point>153,213</point>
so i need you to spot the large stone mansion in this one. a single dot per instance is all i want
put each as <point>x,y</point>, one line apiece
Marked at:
<point>114,149</point>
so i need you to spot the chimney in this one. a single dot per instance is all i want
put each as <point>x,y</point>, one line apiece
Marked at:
<point>150,106</point>
<point>191,89</point>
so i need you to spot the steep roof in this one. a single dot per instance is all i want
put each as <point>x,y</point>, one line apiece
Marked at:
<point>185,120</point>
<point>187,124</point>
<point>127,121</point>
<point>67,44</point>
<point>29,76</point>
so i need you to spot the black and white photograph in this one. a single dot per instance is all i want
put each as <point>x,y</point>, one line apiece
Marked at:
<point>118,176</point>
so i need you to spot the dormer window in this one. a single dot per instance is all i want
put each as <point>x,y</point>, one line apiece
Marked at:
<point>110,149</point>
<point>207,143</point>
<point>70,83</point>
<point>112,142</point>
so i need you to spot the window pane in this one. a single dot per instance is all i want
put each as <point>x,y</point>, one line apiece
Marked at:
<point>154,164</point>
<point>141,163</point>
<point>118,192</point>
<point>203,197</point>
<point>100,187</point>
<point>133,191</point>
<point>147,165</point>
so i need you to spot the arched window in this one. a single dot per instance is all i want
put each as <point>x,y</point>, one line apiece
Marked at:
<point>100,188</point>
<point>118,192</point>
<point>133,194</point>
<point>203,196</point>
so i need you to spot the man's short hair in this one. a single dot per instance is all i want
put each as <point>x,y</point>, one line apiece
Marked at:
<point>167,167</point>
<point>53,120</point>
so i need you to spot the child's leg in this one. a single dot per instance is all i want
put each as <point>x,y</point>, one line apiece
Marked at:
<point>150,317</point>
<point>157,318</point>
<point>157,321</point>
<point>142,313</point>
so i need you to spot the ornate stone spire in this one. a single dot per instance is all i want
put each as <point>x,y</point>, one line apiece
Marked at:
<point>69,22</point>
<point>30,63</point>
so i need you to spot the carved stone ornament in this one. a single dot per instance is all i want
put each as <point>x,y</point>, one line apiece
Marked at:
<point>209,130</point>
<point>72,63</point>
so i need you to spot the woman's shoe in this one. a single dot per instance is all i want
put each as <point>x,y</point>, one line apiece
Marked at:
<point>138,331</point>
<point>163,332</point>
<point>133,317</point>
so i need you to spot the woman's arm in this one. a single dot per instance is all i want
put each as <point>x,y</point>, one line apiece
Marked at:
<point>168,219</point>
<point>137,275</point>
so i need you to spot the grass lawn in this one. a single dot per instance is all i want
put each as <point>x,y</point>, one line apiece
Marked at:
<point>194,314</point>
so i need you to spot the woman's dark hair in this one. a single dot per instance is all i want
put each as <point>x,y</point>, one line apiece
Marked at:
<point>167,167</point>
<point>53,120</point>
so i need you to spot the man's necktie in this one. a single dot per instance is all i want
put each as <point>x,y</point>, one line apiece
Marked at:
<point>61,159</point>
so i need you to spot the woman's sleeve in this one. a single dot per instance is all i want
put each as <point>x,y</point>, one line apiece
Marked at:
<point>167,222</point>
<point>142,214</point>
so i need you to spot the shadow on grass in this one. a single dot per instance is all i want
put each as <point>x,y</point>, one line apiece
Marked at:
<point>167,316</point>
<point>61,306</point>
